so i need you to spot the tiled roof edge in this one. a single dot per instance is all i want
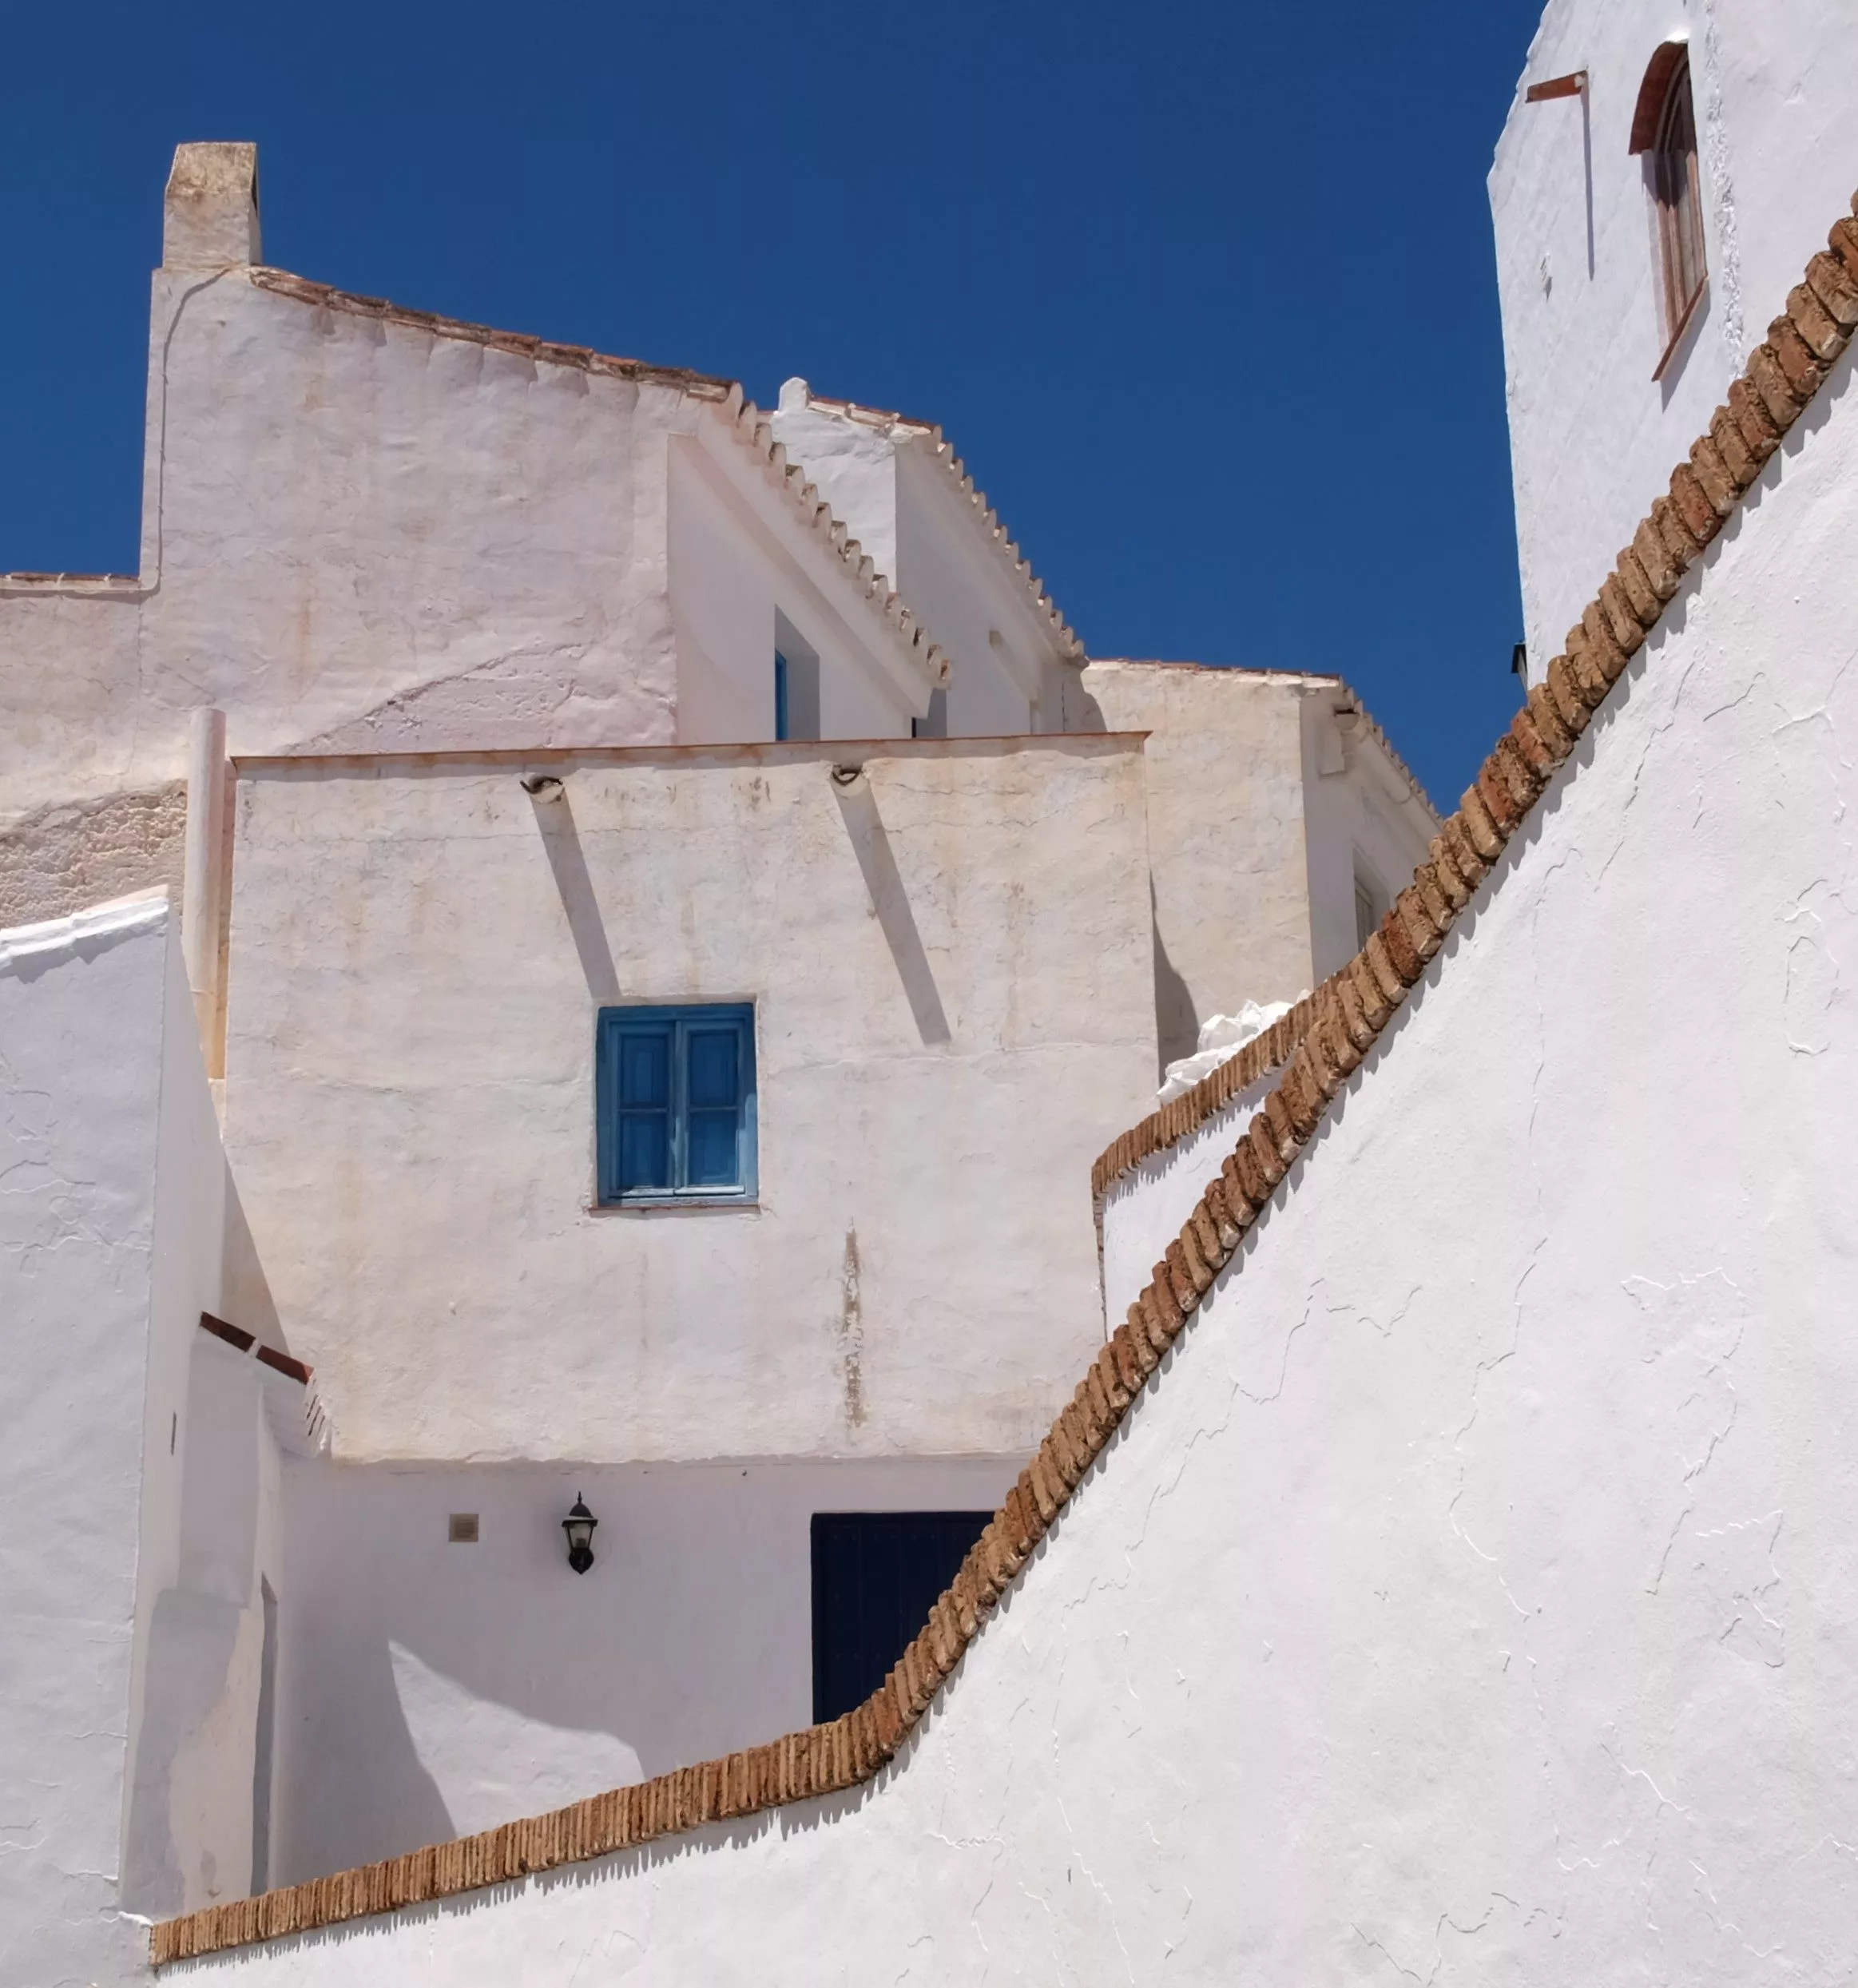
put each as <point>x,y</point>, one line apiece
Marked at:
<point>525,345</point>
<point>753,428</point>
<point>749,425</point>
<point>974,501</point>
<point>1387,746</point>
<point>1347,1012</point>
<point>987,521</point>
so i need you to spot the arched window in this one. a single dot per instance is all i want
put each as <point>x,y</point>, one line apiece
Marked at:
<point>1664,131</point>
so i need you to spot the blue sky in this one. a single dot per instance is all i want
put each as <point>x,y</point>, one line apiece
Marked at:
<point>1204,295</point>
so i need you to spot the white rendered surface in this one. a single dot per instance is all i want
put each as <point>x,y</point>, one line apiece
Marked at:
<point>1593,437</point>
<point>1144,1209</point>
<point>1471,1600</point>
<point>1260,799</point>
<point>435,1688</point>
<point>82,1019</point>
<point>362,534</point>
<point>905,507</point>
<point>950,962</point>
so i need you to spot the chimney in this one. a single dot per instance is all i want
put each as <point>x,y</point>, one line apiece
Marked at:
<point>209,216</point>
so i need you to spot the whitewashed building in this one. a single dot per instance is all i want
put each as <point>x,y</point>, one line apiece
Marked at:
<point>605,932</point>
<point>1439,1567</point>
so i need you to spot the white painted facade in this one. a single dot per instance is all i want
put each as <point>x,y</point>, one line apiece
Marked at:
<point>408,574</point>
<point>1269,792</point>
<point>365,530</point>
<point>898,487</point>
<point>1469,1599</point>
<point>141,1503</point>
<point>949,963</point>
<point>1594,436</point>
<point>434,1689</point>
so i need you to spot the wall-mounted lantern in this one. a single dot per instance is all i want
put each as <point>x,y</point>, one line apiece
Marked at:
<point>579,1526</point>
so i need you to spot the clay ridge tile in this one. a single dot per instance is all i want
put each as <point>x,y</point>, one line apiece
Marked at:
<point>974,500</point>
<point>822,1759</point>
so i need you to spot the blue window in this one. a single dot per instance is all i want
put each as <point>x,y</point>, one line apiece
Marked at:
<point>676,1099</point>
<point>782,720</point>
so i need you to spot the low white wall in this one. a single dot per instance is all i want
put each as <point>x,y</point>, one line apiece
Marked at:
<point>1144,1208</point>
<point>942,1047</point>
<point>1472,1599</point>
<point>81,1018</point>
<point>432,1689</point>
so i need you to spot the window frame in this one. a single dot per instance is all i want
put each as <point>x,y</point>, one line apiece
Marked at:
<point>1664,136</point>
<point>1368,888</point>
<point>611,1024</point>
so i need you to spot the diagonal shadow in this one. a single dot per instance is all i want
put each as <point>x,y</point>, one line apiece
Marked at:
<point>871,845</point>
<point>561,843</point>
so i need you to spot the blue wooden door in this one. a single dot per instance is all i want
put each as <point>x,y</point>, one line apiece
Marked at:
<point>877,1575</point>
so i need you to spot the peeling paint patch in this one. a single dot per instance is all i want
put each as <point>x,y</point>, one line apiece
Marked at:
<point>851,1329</point>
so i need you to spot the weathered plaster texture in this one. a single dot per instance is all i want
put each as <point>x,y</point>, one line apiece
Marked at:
<point>1593,436</point>
<point>62,858</point>
<point>950,961</point>
<point>1472,1599</point>
<point>1258,805</point>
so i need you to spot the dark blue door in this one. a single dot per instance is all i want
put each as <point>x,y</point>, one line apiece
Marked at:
<point>876,1578</point>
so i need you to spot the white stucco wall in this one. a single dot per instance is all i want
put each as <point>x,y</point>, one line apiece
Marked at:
<point>1256,799</point>
<point>1593,437</point>
<point>192,1809</point>
<point>851,462</point>
<point>83,1004</point>
<point>417,954</point>
<point>431,1690</point>
<point>69,659</point>
<point>1471,1600</point>
<point>728,579</point>
<point>881,475</point>
<point>999,651</point>
<point>1362,816</point>
<point>362,532</point>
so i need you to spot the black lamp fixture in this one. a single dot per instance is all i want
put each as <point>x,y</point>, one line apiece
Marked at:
<point>579,1526</point>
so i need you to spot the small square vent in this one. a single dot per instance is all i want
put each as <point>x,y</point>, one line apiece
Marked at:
<point>462,1530</point>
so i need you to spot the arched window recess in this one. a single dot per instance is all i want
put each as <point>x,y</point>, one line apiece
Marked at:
<point>1664,134</point>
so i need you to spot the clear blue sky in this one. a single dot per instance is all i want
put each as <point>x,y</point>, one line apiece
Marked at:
<point>1204,294</point>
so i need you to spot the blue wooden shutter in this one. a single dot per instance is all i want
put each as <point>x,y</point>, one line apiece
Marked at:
<point>644,1107</point>
<point>675,1098</point>
<point>713,1069</point>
